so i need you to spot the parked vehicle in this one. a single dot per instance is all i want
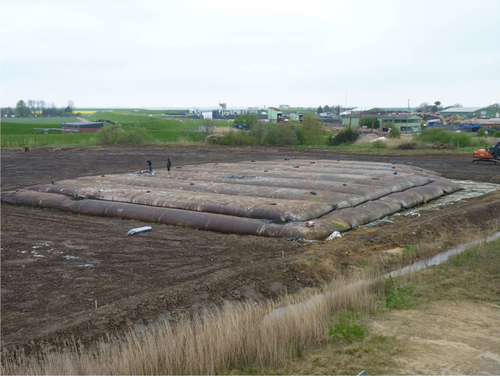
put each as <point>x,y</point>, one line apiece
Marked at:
<point>241,126</point>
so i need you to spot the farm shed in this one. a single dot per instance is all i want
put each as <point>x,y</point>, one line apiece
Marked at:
<point>274,115</point>
<point>294,116</point>
<point>405,123</point>
<point>82,127</point>
<point>471,112</point>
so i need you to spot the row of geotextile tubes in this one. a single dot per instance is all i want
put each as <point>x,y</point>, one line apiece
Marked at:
<point>207,197</point>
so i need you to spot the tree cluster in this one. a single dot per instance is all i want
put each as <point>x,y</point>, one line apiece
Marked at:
<point>436,107</point>
<point>368,121</point>
<point>309,132</point>
<point>39,108</point>
<point>328,109</point>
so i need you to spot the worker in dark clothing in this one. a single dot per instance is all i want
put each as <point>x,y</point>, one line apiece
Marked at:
<point>148,162</point>
<point>169,164</point>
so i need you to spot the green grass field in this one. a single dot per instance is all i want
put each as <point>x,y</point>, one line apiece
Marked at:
<point>39,120</point>
<point>19,132</point>
<point>41,140</point>
<point>129,118</point>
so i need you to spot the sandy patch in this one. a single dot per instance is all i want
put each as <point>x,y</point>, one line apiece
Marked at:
<point>448,338</point>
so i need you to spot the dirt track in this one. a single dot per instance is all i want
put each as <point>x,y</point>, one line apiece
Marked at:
<point>172,270</point>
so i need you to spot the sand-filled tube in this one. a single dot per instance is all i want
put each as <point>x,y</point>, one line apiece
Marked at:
<point>222,198</point>
<point>200,220</point>
<point>140,183</point>
<point>254,207</point>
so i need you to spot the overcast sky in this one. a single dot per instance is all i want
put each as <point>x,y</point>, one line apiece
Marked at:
<point>250,53</point>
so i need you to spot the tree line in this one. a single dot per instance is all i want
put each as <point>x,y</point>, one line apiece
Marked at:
<point>39,108</point>
<point>328,109</point>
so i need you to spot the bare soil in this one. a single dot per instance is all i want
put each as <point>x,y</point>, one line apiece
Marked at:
<point>450,338</point>
<point>93,279</point>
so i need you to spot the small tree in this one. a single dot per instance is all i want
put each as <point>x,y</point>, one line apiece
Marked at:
<point>247,118</point>
<point>394,133</point>
<point>282,134</point>
<point>319,110</point>
<point>21,108</point>
<point>368,122</point>
<point>345,136</point>
<point>31,105</point>
<point>258,132</point>
<point>311,132</point>
<point>436,107</point>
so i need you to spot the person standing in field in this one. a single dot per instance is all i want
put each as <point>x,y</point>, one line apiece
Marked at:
<point>169,165</point>
<point>148,162</point>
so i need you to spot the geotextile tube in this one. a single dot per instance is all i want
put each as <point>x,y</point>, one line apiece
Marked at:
<point>260,198</point>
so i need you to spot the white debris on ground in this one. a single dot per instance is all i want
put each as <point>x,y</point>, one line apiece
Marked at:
<point>334,235</point>
<point>139,229</point>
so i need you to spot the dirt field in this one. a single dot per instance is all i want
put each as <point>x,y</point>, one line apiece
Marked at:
<point>453,338</point>
<point>57,267</point>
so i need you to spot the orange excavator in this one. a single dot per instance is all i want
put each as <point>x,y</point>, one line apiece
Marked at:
<point>491,156</point>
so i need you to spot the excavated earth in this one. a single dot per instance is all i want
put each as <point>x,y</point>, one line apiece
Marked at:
<point>66,274</point>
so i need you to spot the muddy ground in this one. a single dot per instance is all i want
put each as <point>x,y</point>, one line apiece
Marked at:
<point>65,274</point>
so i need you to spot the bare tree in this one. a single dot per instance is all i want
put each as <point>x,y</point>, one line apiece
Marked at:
<point>31,105</point>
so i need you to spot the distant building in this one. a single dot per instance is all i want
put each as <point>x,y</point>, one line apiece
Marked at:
<point>405,123</point>
<point>284,107</point>
<point>207,114</point>
<point>242,110</point>
<point>471,112</point>
<point>274,115</point>
<point>382,110</point>
<point>295,116</point>
<point>82,127</point>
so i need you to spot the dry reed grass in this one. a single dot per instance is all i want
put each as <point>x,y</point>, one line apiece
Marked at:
<point>234,336</point>
<point>184,141</point>
<point>222,130</point>
<point>492,140</point>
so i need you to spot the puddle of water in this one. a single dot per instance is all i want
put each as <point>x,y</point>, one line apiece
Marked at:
<point>470,189</point>
<point>441,257</point>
